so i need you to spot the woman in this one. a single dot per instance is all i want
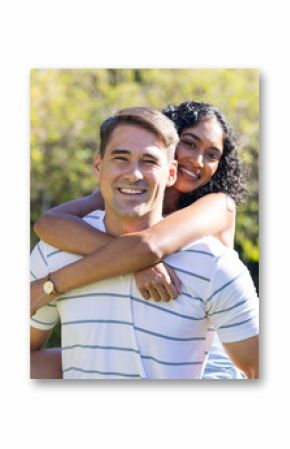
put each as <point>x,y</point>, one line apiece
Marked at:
<point>201,202</point>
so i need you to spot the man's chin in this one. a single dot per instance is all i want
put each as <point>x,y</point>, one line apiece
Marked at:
<point>132,213</point>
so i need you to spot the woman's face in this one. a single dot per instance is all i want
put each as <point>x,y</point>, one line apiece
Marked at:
<point>198,153</point>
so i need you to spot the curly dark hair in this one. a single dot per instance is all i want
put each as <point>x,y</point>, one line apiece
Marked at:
<point>229,177</point>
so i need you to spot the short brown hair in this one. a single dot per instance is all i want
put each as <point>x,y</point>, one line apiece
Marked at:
<point>147,118</point>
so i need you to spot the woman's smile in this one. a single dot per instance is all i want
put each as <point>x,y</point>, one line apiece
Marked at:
<point>199,151</point>
<point>191,173</point>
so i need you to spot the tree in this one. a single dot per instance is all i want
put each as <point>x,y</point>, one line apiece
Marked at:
<point>67,107</point>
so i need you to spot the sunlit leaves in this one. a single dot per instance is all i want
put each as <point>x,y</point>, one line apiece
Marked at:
<point>67,107</point>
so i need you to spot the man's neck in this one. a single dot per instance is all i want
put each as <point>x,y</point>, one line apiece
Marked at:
<point>123,225</point>
<point>171,200</point>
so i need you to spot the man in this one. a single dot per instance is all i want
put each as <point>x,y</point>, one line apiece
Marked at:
<point>108,330</point>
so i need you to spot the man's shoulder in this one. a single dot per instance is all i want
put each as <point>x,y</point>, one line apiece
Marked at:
<point>209,245</point>
<point>220,258</point>
<point>56,258</point>
<point>206,255</point>
<point>95,219</point>
<point>45,250</point>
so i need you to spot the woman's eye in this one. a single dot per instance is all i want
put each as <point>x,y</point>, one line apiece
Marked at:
<point>188,143</point>
<point>212,156</point>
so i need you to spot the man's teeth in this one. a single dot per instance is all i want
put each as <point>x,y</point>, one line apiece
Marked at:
<point>132,191</point>
<point>193,175</point>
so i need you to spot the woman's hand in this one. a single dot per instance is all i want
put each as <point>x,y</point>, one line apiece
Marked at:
<point>158,282</point>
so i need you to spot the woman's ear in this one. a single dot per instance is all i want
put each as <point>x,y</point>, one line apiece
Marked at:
<point>172,174</point>
<point>97,166</point>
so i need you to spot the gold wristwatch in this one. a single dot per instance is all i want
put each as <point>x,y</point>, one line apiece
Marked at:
<point>48,287</point>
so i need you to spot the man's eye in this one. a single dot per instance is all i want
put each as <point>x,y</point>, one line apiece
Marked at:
<point>150,161</point>
<point>120,158</point>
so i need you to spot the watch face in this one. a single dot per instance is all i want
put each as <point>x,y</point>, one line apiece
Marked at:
<point>48,287</point>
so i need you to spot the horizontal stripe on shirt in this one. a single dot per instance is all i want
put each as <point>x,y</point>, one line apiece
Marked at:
<point>104,373</point>
<point>226,285</point>
<point>113,348</point>
<point>118,348</point>
<point>235,324</point>
<point>44,322</point>
<point>146,303</point>
<point>196,298</point>
<point>229,308</point>
<point>167,337</point>
<point>97,295</point>
<point>195,251</point>
<point>93,216</point>
<point>189,273</point>
<point>161,362</point>
<point>138,329</point>
<point>65,323</point>
<point>54,253</point>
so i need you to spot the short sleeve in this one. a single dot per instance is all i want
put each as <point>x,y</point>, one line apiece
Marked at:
<point>232,306</point>
<point>46,317</point>
<point>38,263</point>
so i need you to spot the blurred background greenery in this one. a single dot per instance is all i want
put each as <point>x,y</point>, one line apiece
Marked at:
<point>68,105</point>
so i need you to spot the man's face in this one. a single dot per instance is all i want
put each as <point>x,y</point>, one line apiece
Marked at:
<point>134,173</point>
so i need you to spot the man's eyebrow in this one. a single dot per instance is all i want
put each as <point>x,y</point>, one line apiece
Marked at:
<point>152,156</point>
<point>123,151</point>
<point>120,151</point>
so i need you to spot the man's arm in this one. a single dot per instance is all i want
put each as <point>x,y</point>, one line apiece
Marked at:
<point>38,298</point>
<point>245,355</point>
<point>232,307</point>
<point>38,338</point>
<point>44,363</point>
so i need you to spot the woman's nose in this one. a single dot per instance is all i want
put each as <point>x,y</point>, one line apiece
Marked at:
<point>197,160</point>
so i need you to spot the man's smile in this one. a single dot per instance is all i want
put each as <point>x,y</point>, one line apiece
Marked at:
<point>131,190</point>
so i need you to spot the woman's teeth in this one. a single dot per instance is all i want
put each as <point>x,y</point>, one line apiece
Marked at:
<point>194,175</point>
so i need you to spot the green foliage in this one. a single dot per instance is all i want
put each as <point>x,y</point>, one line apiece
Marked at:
<point>67,107</point>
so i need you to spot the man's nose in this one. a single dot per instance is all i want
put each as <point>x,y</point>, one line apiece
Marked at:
<point>134,173</point>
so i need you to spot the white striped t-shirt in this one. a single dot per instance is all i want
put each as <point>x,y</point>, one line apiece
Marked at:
<point>108,331</point>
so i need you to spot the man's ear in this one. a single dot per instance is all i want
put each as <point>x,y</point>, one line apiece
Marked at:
<point>172,174</point>
<point>97,166</point>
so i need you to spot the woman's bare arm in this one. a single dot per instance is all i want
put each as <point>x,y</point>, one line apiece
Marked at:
<point>63,227</point>
<point>159,282</point>
<point>213,214</point>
